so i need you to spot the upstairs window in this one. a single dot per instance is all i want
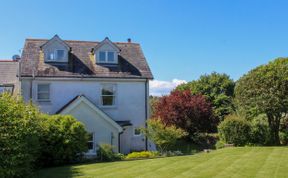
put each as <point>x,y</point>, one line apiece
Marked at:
<point>108,95</point>
<point>43,92</point>
<point>106,57</point>
<point>56,55</point>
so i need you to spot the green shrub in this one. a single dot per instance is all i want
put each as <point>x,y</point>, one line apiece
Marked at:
<point>235,130</point>
<point>142,154</point>
<point>19,130</point>
<point>105,153</point>
<point>283,137</point>
<point>172,153</point>
<point>260,132</point>
<point>163,136</point>
<point>220,144</point>
<point>62,141</point>
<point>205,140</point>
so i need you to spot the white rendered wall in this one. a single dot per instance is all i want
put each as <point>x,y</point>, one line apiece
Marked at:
<point>130,102</point>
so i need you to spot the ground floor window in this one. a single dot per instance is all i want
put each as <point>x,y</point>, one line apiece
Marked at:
<point>137,131</point>
<point>6,88</point>
<point>91,145</point>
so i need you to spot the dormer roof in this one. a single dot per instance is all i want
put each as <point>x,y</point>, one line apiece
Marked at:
<point>55,38</point>
<point>109,42</point>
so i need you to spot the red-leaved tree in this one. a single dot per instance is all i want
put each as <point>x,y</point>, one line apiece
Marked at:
<point>192,113</point>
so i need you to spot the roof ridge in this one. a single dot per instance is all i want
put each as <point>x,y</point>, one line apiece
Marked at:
<point>7,60</point>
<point>79,41</point>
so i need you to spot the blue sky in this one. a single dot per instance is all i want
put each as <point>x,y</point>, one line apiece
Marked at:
<point>180,39</point>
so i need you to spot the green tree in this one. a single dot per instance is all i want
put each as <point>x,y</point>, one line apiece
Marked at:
<point>163,136</point>
<point>217,88</point>
<point>19,130</point>
<point>265,90</point>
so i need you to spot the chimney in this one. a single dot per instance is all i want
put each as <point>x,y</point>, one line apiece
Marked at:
<point>129,40</point>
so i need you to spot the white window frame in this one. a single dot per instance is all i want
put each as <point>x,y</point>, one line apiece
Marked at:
<point>114,95</point>
<point>136,135</point>
<point>49,93</point>
<point>106,57</point>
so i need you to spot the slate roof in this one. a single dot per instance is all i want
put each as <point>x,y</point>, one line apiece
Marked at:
<point>132,62</point>
<point>8,72</point>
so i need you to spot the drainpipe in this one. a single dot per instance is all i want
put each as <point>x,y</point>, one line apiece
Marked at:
<point>119,145</point>
<point>146,111</point>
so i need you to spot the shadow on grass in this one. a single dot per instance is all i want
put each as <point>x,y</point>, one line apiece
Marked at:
<point>59,172</point>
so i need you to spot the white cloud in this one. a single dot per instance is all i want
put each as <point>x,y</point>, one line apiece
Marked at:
<point>159,88</point>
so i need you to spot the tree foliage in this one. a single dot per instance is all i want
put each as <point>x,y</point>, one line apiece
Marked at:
<point>217,88</point>
<point>63,140</point>
<point>192,113</point>
<point>29,140</point>
<point>19,143</point>
<point>265,90</point>
<point>163,136</point>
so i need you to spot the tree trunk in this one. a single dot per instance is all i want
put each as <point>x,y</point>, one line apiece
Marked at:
<point>274,124</point>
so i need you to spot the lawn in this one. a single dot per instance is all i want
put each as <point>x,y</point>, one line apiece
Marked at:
<point>245,162</point>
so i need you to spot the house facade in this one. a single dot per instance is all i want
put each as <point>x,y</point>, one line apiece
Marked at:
<point>104,85</point>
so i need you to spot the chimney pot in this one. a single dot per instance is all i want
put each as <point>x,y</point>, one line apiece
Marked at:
<point>129,40</point>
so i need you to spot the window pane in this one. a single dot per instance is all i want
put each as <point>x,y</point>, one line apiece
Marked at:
<point>137,131</point>
<point>102,56</point>
<point>8,89</point>
<point>90,145</point>
<point>107,100</point>
<point>110,56</point>
<point>90,137</point>
<point>43,88</point>
<point>60,54</point>
<point>43,96</point>
<point>108,90</point>
<point>51,56</point>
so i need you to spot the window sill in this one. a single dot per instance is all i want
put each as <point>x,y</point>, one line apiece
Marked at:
<point>108,107</point>
<point>44,101</point>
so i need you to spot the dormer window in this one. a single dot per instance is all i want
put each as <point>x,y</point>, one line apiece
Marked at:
<point>106,52</point>
<point>55,50</point>
<point>107,57</point>
<point>56,55</point>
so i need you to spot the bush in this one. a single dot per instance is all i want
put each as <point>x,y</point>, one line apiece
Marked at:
<point>19,130</point>
<point>105,153</point>
<point>260,131</point>
<point>163,136</point>
<point>63,140</point>
<point>235,130</point>
<point>205,140</point>
<point>220,144</point>
<point>29,139</point>
<point>284,137</point>
<point>172,153</point>
<point>142,154</point>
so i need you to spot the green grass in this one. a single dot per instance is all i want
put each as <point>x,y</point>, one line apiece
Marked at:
<point>254,162</point>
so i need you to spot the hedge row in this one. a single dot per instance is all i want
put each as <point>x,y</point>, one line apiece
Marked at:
<point>29,139</point>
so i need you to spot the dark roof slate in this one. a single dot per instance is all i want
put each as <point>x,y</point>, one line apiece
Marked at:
<point>132,62</point>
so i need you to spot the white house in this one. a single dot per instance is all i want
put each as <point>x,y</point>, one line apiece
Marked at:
<point>102,84</point>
